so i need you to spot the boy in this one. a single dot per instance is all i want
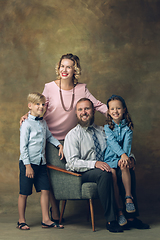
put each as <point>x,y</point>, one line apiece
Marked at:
<point>33,136</point>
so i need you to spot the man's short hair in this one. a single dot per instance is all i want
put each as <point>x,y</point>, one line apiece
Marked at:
<point>36,97</point>
<point>85,99</point>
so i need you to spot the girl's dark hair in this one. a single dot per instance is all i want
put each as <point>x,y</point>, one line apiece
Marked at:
<point>126,115</point>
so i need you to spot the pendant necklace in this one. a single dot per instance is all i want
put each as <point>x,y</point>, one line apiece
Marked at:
<point>61,97</point>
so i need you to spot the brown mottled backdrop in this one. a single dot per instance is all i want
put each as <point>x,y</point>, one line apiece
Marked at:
<point>118,42</point>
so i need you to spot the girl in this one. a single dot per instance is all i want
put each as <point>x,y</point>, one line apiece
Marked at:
<point>119,139</point>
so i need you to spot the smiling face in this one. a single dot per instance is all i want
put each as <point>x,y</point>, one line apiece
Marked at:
<point>116,110</point>
<point>85,113</point>
<point>66,69</point>
<point>37,109</point>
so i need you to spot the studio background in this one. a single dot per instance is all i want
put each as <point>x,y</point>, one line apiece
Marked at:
<point>118,43</point>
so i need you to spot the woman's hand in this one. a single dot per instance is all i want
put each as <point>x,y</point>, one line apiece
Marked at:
<point>61,154</point>
<point>23,118</point>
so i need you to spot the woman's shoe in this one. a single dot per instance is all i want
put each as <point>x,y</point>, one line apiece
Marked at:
<point>55,220</point>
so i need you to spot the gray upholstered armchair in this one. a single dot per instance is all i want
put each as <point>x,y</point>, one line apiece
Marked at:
<point>67,185</point>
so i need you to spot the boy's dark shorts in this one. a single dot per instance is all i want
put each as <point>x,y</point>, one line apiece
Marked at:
<point>40,180</point>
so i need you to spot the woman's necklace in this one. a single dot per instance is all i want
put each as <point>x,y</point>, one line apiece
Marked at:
<point>67,110</point>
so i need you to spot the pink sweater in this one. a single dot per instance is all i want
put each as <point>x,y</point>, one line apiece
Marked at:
<point>59,121</point>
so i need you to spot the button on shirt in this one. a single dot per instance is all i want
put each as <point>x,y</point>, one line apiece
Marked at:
<point>79,149</point>
<point>33,137</point>
<point>119,141</point>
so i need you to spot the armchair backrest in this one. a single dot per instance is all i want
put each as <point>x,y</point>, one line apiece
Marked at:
<point>52,156</point>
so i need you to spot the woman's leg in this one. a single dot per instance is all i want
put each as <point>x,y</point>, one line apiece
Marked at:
<point>55,206</point>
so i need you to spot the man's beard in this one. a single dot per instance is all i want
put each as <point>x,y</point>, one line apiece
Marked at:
<point>87,123</point>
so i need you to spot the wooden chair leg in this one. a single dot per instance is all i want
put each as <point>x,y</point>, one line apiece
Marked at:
<point>62,210</point>
<point>92,214</point>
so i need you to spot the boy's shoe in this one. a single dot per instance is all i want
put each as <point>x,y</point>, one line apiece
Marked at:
<point>122,220</point>
<point>136,223</point>
<point>114,227</point>
<point>22,225</point>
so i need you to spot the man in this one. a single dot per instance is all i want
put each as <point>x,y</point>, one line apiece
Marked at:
<point>82,156</point>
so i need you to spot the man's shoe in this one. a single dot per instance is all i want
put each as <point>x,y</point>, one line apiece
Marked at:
<point>136,223</point>
<point>113,226</point>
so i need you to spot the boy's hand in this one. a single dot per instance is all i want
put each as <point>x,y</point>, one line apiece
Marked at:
<point>29,171</point>
<point>23,118</point>
<point>60,151</point>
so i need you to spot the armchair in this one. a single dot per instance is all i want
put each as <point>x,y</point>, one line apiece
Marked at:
<point>67,185</point>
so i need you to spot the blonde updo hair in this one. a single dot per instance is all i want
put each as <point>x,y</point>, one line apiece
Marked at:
<point>76,65</point>
<point>36,97</point>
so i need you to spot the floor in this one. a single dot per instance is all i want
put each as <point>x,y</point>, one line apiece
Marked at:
<point>76,225</point>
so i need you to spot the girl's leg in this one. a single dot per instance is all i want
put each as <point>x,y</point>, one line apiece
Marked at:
<point>121,218</point>
<point>126,179</point>
<point>22,200</point>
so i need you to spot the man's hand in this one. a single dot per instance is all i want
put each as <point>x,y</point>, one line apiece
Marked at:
<point>103,166</point>
<point>23,118</point>
<point>29,171</point>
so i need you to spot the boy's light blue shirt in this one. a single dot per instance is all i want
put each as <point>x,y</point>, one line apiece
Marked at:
<point>119,141</point>
<point>33,137</point>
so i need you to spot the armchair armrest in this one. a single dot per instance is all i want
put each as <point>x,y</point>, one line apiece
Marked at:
<point>63,170</point>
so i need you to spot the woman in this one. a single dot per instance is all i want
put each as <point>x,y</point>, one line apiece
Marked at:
<point>61,98</point>
<point>63,94</point>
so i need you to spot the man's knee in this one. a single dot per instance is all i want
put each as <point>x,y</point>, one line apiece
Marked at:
<point>106,176</point>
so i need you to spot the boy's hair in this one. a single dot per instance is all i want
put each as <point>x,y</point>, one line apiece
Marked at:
<point>36,97</point>
<point>126,115</point>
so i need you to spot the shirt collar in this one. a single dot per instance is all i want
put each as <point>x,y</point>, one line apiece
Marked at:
<point>31,117</point>
<point>122,122</point>
<point>86,128</point>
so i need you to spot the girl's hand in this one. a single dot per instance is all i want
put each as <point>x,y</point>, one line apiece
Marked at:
<point>23,118</point>
<point>124,161</point>
<point>61,154</point>
<point>29,171</point>
<point>132,163</point>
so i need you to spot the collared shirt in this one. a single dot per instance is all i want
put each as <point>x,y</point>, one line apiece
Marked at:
<point>79,148</point>
<point>33,136</point>
<point>119,141</point>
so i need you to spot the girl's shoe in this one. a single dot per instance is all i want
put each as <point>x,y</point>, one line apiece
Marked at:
<point>130,208</point>
<point>122,220</point>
